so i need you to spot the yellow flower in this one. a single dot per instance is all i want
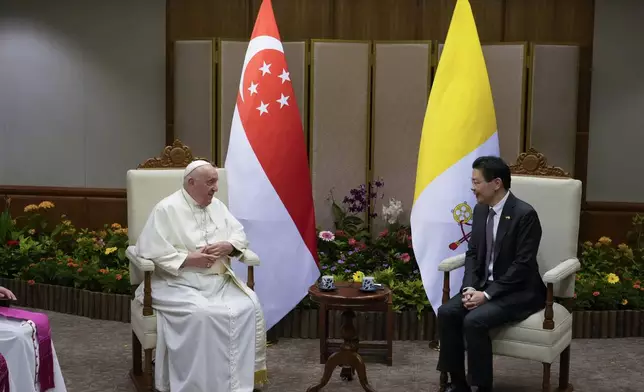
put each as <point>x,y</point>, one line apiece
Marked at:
<point>588,244</point>
<point>115,226</point>
<point>31,207</point>
<point>624,301</point>
<point>32,231</point>
<point>110,250</point>
<point>605,241</point>
<point>357,276</point>
<point>612,278</point>
<point>46,205</point>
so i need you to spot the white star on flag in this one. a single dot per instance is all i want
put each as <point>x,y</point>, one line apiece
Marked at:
<point>266,69</point>
<point>253,88</point>
<point>284,76</point>
<point>283,100</point>
<point>263,108</point>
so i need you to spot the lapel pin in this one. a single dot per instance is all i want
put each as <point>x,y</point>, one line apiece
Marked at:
<point>507,217</point>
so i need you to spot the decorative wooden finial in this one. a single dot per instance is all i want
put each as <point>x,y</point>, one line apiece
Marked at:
<point>534,163</point>
<point>178,155</point>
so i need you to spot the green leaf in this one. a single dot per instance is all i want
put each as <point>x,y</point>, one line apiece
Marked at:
<point>338,214</point>
<point>353,220</point>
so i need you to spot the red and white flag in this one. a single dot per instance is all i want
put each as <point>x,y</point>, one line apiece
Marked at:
<point>269,184</point>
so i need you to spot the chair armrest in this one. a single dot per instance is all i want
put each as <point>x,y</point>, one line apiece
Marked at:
<point>249,258</point>
<point>452,263</point>
<point>562,271</point>
<point>140,263</point>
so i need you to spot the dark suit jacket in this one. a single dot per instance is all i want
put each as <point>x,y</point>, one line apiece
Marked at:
<point>517,281</point>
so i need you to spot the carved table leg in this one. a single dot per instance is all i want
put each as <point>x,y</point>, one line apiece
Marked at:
<point>348,356</point>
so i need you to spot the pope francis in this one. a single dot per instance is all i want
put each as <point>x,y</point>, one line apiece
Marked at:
<point>211,331</point>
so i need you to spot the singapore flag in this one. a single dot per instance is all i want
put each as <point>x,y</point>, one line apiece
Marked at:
<point>269,184</point>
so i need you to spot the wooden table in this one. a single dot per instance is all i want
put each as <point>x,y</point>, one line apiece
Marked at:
<point>349,298</point>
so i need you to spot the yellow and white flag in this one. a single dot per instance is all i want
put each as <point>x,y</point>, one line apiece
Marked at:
<point>459,126</point>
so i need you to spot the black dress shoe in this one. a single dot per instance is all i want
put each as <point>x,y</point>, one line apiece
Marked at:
<point>484,389</point>
<point>457,388</point>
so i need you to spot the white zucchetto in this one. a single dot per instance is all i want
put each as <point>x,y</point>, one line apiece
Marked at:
<point>193,165</point>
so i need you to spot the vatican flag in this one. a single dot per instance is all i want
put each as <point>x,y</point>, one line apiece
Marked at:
<point>459,126</point>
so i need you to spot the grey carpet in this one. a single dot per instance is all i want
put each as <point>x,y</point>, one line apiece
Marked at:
<point>95,357</point>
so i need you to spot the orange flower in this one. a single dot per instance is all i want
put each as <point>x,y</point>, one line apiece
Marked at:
<point>79,270</point>
<point>605,241</point>
<point>31,207</point>
<point>636,286</point>
<point>102,271</point>
<point>31,282</point>
<point>46,205</point>
<point>118,277</point>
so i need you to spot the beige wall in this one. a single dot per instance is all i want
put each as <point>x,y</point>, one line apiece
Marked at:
<point>616,136</point>
<point>82,90</point>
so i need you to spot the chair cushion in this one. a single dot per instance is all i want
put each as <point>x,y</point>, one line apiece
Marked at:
<point>528,340</point>
<point>559,217</point>
<point>145,327</point>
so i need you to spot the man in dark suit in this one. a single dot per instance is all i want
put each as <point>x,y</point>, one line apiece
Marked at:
<point>501,284</point>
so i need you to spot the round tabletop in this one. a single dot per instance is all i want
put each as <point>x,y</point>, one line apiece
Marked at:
<point>348,293</point>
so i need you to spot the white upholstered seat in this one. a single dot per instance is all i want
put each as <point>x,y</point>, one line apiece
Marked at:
<point>557,200</point>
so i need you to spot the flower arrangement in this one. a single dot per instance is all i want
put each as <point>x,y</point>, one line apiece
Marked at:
<point>33,250</point>
<point>611,276</point>
<point>350,251</point>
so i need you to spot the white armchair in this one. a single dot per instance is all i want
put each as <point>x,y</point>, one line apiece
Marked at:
<point>546,334</point>
<point>153,180</point>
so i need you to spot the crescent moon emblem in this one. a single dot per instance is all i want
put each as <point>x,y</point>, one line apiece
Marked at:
<point>255,46</point>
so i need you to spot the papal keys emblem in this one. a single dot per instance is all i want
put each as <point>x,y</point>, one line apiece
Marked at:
<point>462,214</point>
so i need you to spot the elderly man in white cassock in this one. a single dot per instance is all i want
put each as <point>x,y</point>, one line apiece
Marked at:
<point>211,331</point>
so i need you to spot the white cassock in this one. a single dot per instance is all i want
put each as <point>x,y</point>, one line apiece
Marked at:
<point>19,347</point>
<point>210,326</point>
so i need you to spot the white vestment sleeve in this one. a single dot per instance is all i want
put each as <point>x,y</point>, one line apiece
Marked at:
<point>153,243</point>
